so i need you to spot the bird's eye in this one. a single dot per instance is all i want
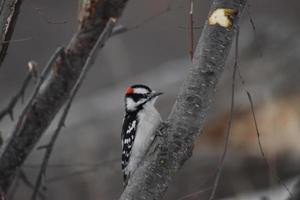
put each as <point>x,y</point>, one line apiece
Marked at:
<point>136,97</point>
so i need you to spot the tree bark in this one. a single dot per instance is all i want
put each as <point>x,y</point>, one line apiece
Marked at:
<point>9,10</point>
<point>175,137</point>
<point>94,15</point>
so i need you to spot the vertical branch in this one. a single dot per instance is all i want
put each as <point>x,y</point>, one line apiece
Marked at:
<point>254,29</point>
<point>269,166</point>
<point>9,10</point>
<point>260,146</point>
<point>191,29</point>
<point>227,134</point>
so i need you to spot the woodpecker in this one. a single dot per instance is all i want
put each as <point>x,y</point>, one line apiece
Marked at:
<point>140,122</point>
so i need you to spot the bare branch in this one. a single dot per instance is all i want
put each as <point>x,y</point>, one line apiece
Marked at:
<point>119,30</point>
<point>66,69</point>
<point>14,188</point>
<point>21,176</point>
<point>191,51</point>
<point>9,10</point>
<point>41,80</point>
<point>32,68</point>
<point>253,28</point>
<point>201,191</point>
<point>227,134</point>
<point>29,184</point>
<point>100,42</point>
<point>175,137</point>
<point>17,40</point>
<point>9,109</point>
<point>261,148</point>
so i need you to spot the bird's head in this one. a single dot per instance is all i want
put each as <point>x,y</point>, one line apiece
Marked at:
<point>137,96</point>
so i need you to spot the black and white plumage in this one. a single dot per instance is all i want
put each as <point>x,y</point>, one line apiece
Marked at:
<point>140,121</point>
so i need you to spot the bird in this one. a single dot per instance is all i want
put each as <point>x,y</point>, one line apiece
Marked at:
<point>139,124</point>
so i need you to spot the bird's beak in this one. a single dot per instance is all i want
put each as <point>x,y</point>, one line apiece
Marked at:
<point>153,95</point>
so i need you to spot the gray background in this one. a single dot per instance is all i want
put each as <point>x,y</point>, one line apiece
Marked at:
<point>85,163</point>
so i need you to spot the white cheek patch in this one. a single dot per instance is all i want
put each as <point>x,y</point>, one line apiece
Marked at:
<point>140,91</point>
<point>130,104</point>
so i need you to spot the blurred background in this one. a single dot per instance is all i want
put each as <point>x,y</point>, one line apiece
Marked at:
<point>86,161</point>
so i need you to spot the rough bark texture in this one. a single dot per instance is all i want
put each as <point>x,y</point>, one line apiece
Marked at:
<point>175,137</point>
<point>9,10</point>
<point>94,15</point>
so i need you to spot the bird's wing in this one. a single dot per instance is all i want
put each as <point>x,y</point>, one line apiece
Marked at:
<point>127,137</point>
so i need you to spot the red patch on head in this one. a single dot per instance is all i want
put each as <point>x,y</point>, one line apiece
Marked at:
<point>130,90</point>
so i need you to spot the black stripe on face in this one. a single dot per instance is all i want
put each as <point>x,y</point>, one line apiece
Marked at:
<point>136,97</point>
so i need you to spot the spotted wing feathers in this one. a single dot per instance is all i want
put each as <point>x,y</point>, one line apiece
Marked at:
<point>128,136</point>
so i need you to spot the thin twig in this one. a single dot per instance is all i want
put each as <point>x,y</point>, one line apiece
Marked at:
<point>29,184</point>
<point>17,40</point>
<point>253,28</point>
<point>269,166</point>
<point>37,87</point>
<point>9,109</point>
<point>262,150</point>
<point>201,191</point>
<point>22,177</point>
<point>227,135</point>
<point>100,42</point>
<point>14,188</point>
<point>191,51</point>
<point>119,30</point>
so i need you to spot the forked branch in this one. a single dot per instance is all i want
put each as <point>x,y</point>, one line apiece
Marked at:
<point>55,90</point>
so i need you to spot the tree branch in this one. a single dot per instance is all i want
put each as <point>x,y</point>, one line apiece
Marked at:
<point>94,15</point>
<point>175,137</point>
<point>228,129</point>
<point>100,42</point>
<point>9,10</point>
<point>9,109</point>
